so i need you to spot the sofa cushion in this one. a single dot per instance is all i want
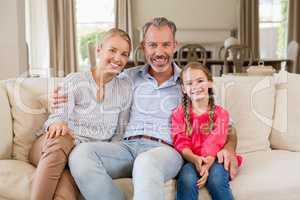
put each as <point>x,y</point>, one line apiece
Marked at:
<point>15,179</point>
<point>125,184</point>
<point>250,102</point>
<point>285,132</point>
<point>268,175</point>
<point>28,112</point>
<point>6,133</point>
<point>264,175</point>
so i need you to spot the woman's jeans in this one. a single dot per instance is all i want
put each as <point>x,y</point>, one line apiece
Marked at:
<point>217,183</point>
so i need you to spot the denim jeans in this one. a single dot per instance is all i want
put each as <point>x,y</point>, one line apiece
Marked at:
<point>149,163</point>
<point>217,183</point>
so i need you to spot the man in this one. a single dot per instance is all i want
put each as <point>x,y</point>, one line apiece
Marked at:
<point>145,153</point>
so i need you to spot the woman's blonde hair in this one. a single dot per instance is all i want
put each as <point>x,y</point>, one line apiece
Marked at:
<point>117,32</point>
<point>186,102</point>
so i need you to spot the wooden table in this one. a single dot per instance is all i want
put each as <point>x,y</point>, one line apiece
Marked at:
<point>276,62</point>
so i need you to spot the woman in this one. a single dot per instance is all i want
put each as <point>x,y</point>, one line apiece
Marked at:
<point>98,101</point>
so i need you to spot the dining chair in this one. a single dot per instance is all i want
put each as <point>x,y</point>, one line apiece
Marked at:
<point>221,52</point>
<point>292,54</point>
<point>237,54</point>
<point>191,52</point>
<point>138,56</point>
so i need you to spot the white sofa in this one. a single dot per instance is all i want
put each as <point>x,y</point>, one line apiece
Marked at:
<point>265,111</point>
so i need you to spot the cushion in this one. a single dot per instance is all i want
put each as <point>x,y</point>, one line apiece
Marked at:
<point>125,184</point>
<point>17,176</point>
<point>264,175</point>
<point>250,102</point>
<point>268,175</point>
<point>6,133</point>
<point>28,112</point>
<point>15,179</point>
<point>285,132</point>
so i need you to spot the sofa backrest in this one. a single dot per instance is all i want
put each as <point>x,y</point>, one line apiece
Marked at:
<point>27,98</point>
<point>6,135</point>
<point>285,133</point>
<point>250,102</point>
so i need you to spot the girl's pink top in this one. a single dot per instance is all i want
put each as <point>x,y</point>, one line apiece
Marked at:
<point>202,141</point>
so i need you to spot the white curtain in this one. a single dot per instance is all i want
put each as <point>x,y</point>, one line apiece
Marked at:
<point>37,36</point>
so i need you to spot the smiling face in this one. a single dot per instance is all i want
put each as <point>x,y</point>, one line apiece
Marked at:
<point>159,46</point>
<point>195,84</point>
<point>114,54</point>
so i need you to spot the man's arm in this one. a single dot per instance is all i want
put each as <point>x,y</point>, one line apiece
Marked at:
<point>57,100</point>
<point>231,139</point>
<point>227,154</point>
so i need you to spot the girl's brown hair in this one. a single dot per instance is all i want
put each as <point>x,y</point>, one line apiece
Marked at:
<point>186,100</point>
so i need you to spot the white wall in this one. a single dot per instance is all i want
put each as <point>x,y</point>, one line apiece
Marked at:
<point>187,14</point>
<point>13,57</point>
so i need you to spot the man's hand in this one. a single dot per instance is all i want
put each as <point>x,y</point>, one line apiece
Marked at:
<point>229,160</point>
<point>57,99</point>
<point>58,129</point>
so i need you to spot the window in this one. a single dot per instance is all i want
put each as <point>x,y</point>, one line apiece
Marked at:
<point>273,28</point>
<point>94,18</point>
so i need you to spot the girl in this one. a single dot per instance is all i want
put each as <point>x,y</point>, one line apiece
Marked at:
<point>98,101</point>
<point>199,130</point>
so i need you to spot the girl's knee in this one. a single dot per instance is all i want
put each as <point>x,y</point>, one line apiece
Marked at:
<point>218,176</point>
<point>188,175</point>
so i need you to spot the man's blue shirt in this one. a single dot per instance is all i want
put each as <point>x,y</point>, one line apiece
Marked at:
<point>152,104</point>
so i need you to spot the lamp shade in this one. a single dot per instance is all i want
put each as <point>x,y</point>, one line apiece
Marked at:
<point>231,41</point>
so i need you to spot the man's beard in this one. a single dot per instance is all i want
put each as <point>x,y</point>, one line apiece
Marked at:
<point>160,63</point>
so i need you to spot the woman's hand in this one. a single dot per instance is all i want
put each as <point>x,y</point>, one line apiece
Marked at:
<point>58,129</point>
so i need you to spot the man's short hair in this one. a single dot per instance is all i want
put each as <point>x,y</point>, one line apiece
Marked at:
<point>159,22</point>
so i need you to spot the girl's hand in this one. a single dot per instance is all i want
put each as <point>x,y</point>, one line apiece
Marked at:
<point>198,162</point>
<point>58,129</point>
<point>208,162</point>
<point>201,182</point>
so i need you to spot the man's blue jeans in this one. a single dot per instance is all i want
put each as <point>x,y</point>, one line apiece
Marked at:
<point>149,163</point>
<point>217,183</point>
